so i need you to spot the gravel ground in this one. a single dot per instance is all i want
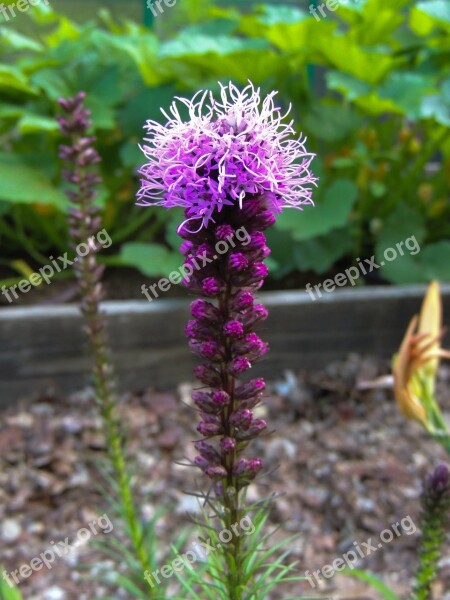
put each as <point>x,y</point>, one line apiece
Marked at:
<point>348,466</point>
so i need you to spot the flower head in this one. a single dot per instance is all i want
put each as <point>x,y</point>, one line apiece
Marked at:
<point>415,365</point>
<point>229,151</point>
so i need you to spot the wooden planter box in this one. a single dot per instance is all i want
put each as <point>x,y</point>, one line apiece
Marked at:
<point>43,347</point>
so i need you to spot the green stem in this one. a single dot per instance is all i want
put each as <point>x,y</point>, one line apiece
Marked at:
<point>107,396</point>
<point>232,513</point>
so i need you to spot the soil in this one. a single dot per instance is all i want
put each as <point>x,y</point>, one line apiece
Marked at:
<point>347,464</point>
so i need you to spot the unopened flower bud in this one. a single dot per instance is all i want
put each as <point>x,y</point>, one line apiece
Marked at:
<point>257,314</point>
<point>223,232</point>
<point>207,375</point>
<point>242,300</point>
<point>221,398</point>
<point>241,418</point>
<point>209,350</point>
<point>209,429</point>
<point>228,444</point>
<point>212,286</point>
<point>264,220</point>
<point>237,262</point>
<point>204,311</point>
<point>207,451</point>
<point>233,328</point>
<point>216,471</point>
<point>249,389</point>
<point>239,365</point>
<point>186,247</point>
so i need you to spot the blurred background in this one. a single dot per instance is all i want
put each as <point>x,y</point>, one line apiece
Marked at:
<point>369,84</point>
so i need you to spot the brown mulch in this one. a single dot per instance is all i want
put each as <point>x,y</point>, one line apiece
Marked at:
<point>346,462</point>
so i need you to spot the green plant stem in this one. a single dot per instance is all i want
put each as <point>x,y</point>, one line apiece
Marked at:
<point>106,391</point>
<point>438,428</point>
<point>232,513</point>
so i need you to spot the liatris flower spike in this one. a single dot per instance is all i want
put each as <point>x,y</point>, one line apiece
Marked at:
<point>434,523</point>
<point>415,367</point>
<point>233,166</point>
<point>80,158</point>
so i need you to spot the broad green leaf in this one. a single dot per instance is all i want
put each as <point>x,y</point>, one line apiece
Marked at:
<point>106,86</point>
<point>103,117</point>
<point>130,153</point>
<point>13,40</point>
<point>402,223</point>
<point>375,23</point>
<point>436,107</point>
<point>4,207</point>
<point>151,259</point>
<point>66,30</point>
<point>349,86</point>
<point>202,44</point>
<point>43,13</point>
<point>321,253</point>
<point>195,69</point>
<point>24,183</point>
<point>13,80</point>
<point>10,111</point>
<point>425,16</point>
<point>31,123</point>
<point>331,122</point>
<point>143,49</point>
<point>51,83</point>
<point>435,259</point>
<point>274,15</point>
<point>285,27</point>
<point>146,104</point>
<point>281,260</point>
<point>331,212</point>
<point>349,57</point>
<point>400,252</point>
<point>403,270</point>
<point>217,27</point>
<point>406,91</point>
<point>438,9</point>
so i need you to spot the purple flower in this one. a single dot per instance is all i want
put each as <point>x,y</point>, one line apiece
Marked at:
<point>233,166</point>
<point>231,150</point>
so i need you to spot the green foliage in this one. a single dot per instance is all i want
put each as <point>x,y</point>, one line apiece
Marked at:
<point>7,592</point>
<point>373,580</point>
<point>264,564</point>
<point>369,85</point>
<point>127,574</point>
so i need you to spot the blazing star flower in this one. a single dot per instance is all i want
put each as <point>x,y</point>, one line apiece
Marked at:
<point>232,167</point>
<point>229,151</point>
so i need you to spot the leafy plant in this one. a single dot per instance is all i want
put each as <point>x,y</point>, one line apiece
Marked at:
<point>370,88</point>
